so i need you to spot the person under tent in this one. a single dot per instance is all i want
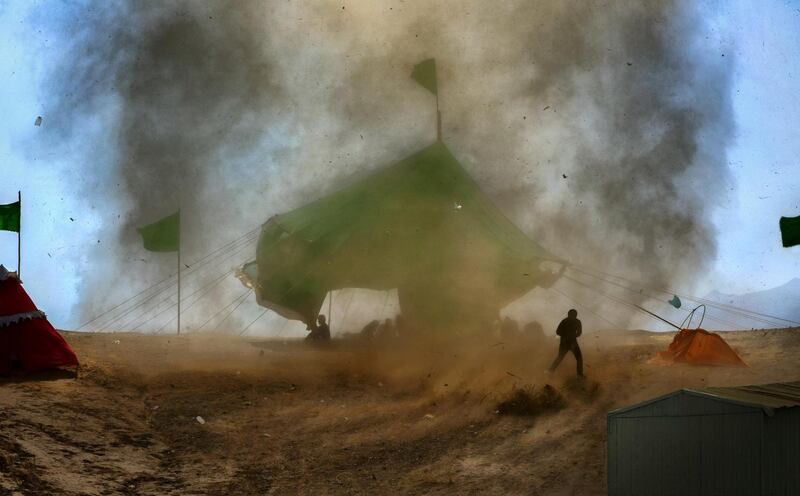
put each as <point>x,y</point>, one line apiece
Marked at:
<point>369,330</point>
<point>320,331</point>
<point>386,329</point>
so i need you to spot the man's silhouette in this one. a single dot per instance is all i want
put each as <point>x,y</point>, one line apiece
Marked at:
<point>569,329</point>
<point>321,331</point>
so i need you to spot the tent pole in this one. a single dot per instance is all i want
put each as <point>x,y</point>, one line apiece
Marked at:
<point>19,238</point>
<point>179,272</point>
<point>656,316</point>
<point>438,119</point>
<point>330,305</point>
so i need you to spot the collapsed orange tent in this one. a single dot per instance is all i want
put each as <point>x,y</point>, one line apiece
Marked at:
<point>700,347</point>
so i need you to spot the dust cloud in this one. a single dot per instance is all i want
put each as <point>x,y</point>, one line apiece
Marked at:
<point>600,128</point>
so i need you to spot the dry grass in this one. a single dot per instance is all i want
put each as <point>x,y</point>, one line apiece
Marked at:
<point>531,402</point>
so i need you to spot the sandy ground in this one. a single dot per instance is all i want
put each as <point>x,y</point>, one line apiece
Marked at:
<point>352,418</point>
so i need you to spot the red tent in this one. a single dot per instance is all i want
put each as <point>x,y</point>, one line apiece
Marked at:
<point>26,337</point>
<point>700,347</point>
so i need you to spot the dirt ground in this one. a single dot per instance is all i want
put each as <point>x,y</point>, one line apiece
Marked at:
<point>351,418</point>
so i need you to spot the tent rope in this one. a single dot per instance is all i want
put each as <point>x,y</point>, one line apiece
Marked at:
<point>241,298</point>
<point>195,269</point>
<point>580,305</point>
<point>140,293</point>
<point>244,299</point>
<point>253,322</point>
<point>751,314</point>
<point>639,293</point>
<point>169,297</point>
<point>203,291</point>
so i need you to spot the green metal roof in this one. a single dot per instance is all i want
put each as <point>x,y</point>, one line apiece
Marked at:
<point>775,395</point>
<point>765,396</point>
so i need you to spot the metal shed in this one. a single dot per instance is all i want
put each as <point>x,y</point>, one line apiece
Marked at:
<point>725,441</point>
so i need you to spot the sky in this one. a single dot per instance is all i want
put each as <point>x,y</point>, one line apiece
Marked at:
<point>58,221</point>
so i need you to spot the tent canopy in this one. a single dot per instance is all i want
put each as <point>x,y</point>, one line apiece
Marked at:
<point>25,334</point>
<point>422,226</point>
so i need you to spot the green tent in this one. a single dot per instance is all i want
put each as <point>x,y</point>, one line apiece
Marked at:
<point>421,225</point>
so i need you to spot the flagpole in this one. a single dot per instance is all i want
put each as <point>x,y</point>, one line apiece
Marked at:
<point>438,113</point>
<point>179,272</point>
<point>19,238</point>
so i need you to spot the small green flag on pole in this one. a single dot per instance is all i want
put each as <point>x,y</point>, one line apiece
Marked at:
<point>790,231</point>
<point>165,235</point>
<point>9,217</point>
<point>162,235</point>
<point>425,74</point>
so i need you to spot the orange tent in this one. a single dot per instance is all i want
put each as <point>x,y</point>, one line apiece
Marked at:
<point>700,347</point>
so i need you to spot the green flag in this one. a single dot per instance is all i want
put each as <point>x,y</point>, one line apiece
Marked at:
<point>425,74</point>
<point>9,217</point>
<point>162,235</point>
<point>790,231</point>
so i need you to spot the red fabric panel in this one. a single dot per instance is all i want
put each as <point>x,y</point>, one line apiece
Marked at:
<point>5,351</point>
<point>13,298</point>
<point>38,346</point>
<point>33,342</point>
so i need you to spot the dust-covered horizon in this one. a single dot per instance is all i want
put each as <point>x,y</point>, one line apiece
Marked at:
<point>599,128</point>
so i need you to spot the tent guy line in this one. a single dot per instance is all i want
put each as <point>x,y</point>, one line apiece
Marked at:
<point>585,307</point>
<point>243,244</point>
<point>173,275</point>
<point>630,304</point>
<point>241,299</point>
<point>205,290</point>
<point>667,291</point>
<point>169,297</point>
<point>741,313</point>
<point>638,293</point>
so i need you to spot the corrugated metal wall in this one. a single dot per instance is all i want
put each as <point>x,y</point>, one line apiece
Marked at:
<point>781,461</point>
<point>685,445</point>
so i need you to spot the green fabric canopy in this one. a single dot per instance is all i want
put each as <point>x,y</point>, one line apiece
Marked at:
<point>421,225</point>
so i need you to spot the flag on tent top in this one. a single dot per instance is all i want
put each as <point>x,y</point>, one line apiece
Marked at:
<point>790,231</point>
<point>675,301</point>
<point>162,235</point>
<point>425,74</point>
<point>9,217</point>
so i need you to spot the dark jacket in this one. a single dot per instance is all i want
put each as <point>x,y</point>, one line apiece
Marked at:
<point>320,332</point>
<point>569,328</point>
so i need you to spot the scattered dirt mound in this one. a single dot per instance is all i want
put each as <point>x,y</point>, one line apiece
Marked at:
<point>531,402</point>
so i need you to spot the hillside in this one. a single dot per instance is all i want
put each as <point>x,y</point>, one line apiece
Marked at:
<point>781,301</point>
